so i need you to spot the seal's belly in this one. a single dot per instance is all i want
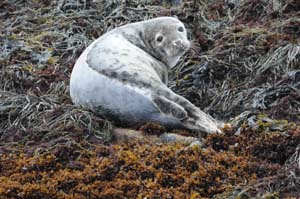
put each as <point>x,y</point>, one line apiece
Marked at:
<point>91,90</point>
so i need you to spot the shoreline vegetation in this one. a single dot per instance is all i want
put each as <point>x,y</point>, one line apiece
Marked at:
<point>243,67</point>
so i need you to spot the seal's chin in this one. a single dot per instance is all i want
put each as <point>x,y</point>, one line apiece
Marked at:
<point>172,61</point>
<point>175,52</point>
<point>180,51</point>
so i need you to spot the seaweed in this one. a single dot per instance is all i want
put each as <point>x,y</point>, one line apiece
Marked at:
<point>243,67</point>
<point>129,170</point>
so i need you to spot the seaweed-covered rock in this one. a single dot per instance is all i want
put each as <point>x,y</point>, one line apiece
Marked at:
<point>244,61</point>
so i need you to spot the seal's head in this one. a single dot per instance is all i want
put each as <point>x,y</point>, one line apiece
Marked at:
<point>167,39</point>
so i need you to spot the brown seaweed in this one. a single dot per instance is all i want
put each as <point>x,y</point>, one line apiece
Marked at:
<point>244,65</point>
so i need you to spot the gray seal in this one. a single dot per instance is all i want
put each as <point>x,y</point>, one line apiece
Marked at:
<point>123,75</point>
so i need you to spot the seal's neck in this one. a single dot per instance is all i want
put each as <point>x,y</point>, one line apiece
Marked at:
<point>141,41</point>
<point>161,69</point>
<point>147,46</point>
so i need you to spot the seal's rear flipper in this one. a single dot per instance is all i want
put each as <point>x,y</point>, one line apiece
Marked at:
<point>169,108</point>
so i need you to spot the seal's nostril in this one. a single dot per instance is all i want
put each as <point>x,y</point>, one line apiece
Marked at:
<point>178,43</point>
<point>184,45</point>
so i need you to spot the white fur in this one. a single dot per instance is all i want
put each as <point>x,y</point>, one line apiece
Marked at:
<point>89,88</point>
<point>92,85</point>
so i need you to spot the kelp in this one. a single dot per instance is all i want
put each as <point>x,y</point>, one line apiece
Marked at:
<point>243,68</point>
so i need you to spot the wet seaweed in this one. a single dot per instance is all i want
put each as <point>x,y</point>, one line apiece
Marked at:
<point>243,66</point>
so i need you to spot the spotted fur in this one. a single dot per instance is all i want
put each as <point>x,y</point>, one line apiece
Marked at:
<point>125,73</point>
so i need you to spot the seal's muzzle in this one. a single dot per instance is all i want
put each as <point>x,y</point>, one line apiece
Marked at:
<point>182,45</point>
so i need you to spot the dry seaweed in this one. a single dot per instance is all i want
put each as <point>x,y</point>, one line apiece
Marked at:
<point>129,170</point>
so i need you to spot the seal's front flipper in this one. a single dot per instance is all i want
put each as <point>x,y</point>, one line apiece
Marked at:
<point>169,107</point>
<point>203,126</point>
<point>196,119</point>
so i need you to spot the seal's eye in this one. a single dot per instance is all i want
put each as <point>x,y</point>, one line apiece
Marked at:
<point>159,38</point>
<point>180,29</point>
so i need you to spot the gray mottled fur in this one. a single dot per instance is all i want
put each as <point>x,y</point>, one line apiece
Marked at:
<point>141,65</point>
